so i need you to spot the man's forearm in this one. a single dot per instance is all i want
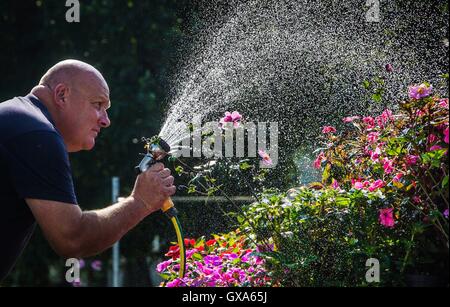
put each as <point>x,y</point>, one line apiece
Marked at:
<point>100,229</point>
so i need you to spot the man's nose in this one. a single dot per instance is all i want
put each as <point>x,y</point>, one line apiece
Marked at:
<point>104,120</point>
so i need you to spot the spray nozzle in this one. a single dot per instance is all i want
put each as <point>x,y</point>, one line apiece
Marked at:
<point>157,149</point>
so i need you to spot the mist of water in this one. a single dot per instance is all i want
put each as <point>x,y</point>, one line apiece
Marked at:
<point>302,63</point>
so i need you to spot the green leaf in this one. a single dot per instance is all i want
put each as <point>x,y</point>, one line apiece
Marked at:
<point>245,166</point>
<point>179,170</point>
<point>192,189</point>
<point>376,97</point>
<point>366,84</point>
<point>444,182</point>
<point>326,173</point>
<point>197,256</point>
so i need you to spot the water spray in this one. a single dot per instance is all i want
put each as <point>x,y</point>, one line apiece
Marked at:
<point>157,150</point>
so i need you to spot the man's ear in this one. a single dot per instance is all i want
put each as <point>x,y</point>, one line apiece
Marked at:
<point>60,94</point>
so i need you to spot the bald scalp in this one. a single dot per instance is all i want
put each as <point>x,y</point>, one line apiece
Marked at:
<point>70,72</point>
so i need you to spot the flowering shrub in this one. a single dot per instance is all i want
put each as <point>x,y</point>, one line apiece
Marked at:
<point>383,195</point>
<point>405,155</point>
<point>227,260</point>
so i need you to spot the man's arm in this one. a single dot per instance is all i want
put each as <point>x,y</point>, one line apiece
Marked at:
<point>74,233</point>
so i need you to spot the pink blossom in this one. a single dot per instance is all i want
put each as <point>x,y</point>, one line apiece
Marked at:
<point>411,159</point>
<point>446,135</point>
<point>421,91</point>
<point>212,260</point>
<point>190,252</point>
<point>328,129</point>
<point>96,265</point>
<point>369,121</point>
<point>376,185</point>
<point>376,154</point>
<point>443,103</point>
<point>358,184</point>
<point>432,138</point>
<point>420,113</point>
<point>446,213</point>
<point>174,283</point>
<point>234,118</point>
<point>397,177</point>
<point>350,119</point>
<point>163,265</point>
<point>384,118</point>
<point>266,160</point>
<point>387,217</point>
<point>320,158</point>
<point>335,185</point>
<point>372,137</point>
<point>387,166</point>
<point>435,147</point>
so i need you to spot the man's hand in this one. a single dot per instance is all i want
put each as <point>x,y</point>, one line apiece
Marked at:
<point>153,187</point>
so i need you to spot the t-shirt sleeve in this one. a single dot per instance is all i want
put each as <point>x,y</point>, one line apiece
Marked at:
<point>40,167</point>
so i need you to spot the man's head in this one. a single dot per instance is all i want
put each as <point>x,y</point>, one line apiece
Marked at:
<point>77,97</point>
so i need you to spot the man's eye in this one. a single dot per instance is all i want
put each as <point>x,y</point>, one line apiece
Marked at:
<point>97,105</point>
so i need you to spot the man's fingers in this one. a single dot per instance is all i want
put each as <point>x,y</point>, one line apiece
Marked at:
<point>169,191</point>
<point>156,167</point>
<point>168,181</point>
<point>164,173</point>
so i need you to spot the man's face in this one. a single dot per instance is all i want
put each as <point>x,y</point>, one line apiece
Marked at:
<point>86,113</point>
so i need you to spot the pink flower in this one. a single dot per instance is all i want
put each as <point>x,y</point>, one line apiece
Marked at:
<point>387,165</point>
<point>443,103</point>
<point>446,135</point>
<point>350,119</point>
<point>376,185</point>
<point>397,177</point>
<point>369,121</point>
<point>411,159</point>
<point>387,217</point>
<point>435,147</point>
<point>163,265</point>
<point>446,213</point>
<point>174,283</point>
<point>420,113</point>
<point>266,160</point>
<point>384,118</point>
<point>376,154</point>
<point>421,91</point>
<point>358,184</point>
<point>432,139</point>
<point>372,137</point>
<point>320,158</point>
<point>234,118</point>
<point>335,185</point>
<point>328,129</point>
<point>96,265</point>
<point>212,260</point>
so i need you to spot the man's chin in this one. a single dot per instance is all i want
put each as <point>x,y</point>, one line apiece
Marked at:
<point>89,145</point>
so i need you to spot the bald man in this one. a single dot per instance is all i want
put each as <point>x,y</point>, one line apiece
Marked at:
<point>64,113</point>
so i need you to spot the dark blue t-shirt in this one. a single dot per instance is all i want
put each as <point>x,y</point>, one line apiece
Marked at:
<point>33,164</point>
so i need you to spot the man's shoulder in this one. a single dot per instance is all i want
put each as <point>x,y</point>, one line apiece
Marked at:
<point>22,115</point>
